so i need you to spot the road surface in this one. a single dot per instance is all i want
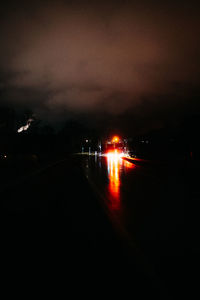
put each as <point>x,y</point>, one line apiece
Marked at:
<point>154,207</point>
<point>97,215</point>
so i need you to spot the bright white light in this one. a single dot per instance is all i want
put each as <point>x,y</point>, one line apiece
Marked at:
<point>20,129</point>
<point>24,128</point>
<point>115,154</point>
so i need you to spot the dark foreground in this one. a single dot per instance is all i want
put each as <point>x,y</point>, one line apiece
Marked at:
<point>56,234</point>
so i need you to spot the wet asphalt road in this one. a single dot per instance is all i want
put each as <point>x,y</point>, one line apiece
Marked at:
<point>154,206</point>
<point>106,224</point>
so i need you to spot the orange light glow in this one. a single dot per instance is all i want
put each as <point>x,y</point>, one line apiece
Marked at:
<point>114,159</point>
<point>116,164</point>
<point>128,164</point>
<point>115,139</point>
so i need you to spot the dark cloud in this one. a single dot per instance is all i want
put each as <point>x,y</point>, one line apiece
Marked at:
<point>109,57</point>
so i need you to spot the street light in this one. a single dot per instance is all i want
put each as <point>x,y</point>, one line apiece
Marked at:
<point>115,139</point>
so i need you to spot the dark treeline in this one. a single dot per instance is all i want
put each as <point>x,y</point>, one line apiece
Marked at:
<point>40,139</point>
<point>175,142</point>
<point>43,140</point>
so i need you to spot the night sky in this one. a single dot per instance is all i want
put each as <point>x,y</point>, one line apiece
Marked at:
<point>133,63</point>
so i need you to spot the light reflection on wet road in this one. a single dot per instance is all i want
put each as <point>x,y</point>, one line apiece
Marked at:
<point>111,176</point>
<point>115,166</point>
<point>145,205</point>
<point>143,201</point>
